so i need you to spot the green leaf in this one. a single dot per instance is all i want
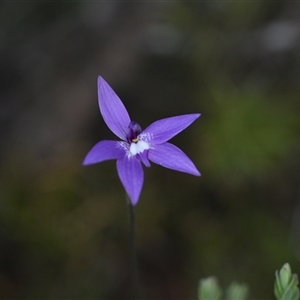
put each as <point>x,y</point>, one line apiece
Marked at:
<point>237,291</point>
<point>286,284</point>
<point>209,289</point>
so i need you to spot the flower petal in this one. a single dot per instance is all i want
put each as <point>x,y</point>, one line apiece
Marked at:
<point>105,150</point>
<point>112,109</point>
<point>163,130</point>
<point>131,175</point>
<point>143,157</point>
<point>171,157</point>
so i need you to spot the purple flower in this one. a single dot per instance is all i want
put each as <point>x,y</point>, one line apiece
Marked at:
<point>138,146</point>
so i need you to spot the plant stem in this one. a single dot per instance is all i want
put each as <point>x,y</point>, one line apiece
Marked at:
<point>133,252</point>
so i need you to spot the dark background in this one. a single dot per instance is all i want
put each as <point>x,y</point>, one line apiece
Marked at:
<point>63,227</point>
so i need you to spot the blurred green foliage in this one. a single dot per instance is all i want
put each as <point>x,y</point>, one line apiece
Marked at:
<point>237,291</point>
<point>209,289</point>
<point>285,287</point>
<point>247,136</point>
<point>286,284</point>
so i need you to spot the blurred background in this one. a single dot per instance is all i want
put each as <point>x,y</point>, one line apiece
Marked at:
<point>64,227</point>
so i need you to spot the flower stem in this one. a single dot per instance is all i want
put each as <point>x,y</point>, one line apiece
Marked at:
<point>133,252</point>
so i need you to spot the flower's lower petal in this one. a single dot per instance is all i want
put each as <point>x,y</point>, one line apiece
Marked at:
<point>163,130</point>
<point>131,175</point>
<point>143,157</point>
<point>170,156</point>
<point>112,109</point>
<point>105,150</point>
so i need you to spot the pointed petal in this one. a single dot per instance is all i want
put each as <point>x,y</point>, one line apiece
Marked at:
<point>163,130</point>
<point>112,109</point>
<point>143,157</point>
<point>105,150</point>
<point>132,176</point>
<point>171,157</point>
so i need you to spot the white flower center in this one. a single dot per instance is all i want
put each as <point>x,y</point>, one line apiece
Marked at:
<point>138,147</point>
